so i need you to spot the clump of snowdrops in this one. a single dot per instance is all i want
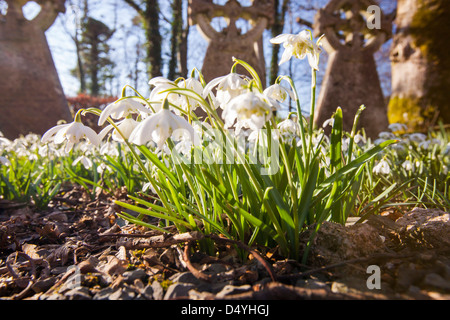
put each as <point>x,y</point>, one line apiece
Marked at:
<point>238,171</point>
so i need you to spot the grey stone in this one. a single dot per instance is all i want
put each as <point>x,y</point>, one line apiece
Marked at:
<point>124,293</point>
<point>104,293</point>
<point>80,293</point>
<point>158,291</point>
<point>436,281</point>
<point>43,285</point>
<point>178,290</point>
<point>132,275</point>
<point>230,290</point>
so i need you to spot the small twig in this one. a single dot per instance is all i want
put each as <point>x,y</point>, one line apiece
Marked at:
<point>246,248</point>
<point>192,269</point>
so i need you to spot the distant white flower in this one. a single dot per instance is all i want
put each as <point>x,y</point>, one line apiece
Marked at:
<point>85,161</point>
<point>394,127</point>
<point>228,87</point>
<point>359,139</point>
<point>299,45</point>
<point>250,110</point>
<point>386,135</point>
<point>160,126</point>
<point>382,167</point>
<point>408,165</point>
<point>447,149</point>
<point>4,161</point>
<point>122,108</point>
<point>417,137</point>
<point>72,132</point>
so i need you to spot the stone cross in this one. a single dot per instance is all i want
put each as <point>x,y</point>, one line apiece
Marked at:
<point>351,78</point>
<point>230,42</point>
<point>31,96</point>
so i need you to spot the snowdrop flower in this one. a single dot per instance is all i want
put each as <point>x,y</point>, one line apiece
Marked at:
<point>278,92</point>
<point>250,110</point>
<point>382,167</point>
<point>72,132</point>
<point>289,128</point>
<point>122,108</point>
<point>386,135</point>
<point>160,126</point>
<point>125,126</point>
<point>408,165</point>
<point>394,127</point>
<point>85,161</point>
<point>299,45</point>
<point>447,149</point>
<point>417,137</point>
<point>329,122</point>
<point>158,95</point>
<point>194,85</point>
<point>228,87</point>
<point>359,139</point>
<point>4,161</point>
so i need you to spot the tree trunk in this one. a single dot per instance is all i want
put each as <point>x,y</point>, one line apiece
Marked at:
<point>175,39</point>
<point>277,29</point>
<point>421,64</point>
<point>153,36</point>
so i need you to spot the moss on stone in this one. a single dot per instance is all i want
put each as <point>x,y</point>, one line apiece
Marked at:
<point>407,111</point>
<point>430,31</point>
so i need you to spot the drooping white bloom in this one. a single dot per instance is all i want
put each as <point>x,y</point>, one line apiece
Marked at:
<point>382,167</point>
<point>299,45</point>
<point>5,161</point>
<point>85,161</point>
<point>228,87</point>
<point>72,132</point>
<point>417,137</point>
<point>289,128</point>
<point>250,110</point>
<point>122,108</point>
<point>328,122</point>
<point>125,126</point>
<point>408,165</point>
<point>394,127</point>
<point>160,126</point>
<point>194,85</point>
<point>158,93</point>
<point>447,149</point>
<point>278,92</point>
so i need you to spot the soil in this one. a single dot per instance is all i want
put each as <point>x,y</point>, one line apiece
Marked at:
<point>78,249</point>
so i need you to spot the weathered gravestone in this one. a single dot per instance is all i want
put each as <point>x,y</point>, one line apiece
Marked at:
<point>351,78</point>
<point>31,96</point>
<point>420,59</point>
<point>230,42</point>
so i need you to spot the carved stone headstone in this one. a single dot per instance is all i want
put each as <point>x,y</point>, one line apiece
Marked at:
<point>31,96</point>
<point>230,42</point>
<point>351,78</point>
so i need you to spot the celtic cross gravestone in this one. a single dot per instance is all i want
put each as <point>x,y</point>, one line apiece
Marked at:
<point>351,78</point>
<point>31,95</point>
<point>231,42</point>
